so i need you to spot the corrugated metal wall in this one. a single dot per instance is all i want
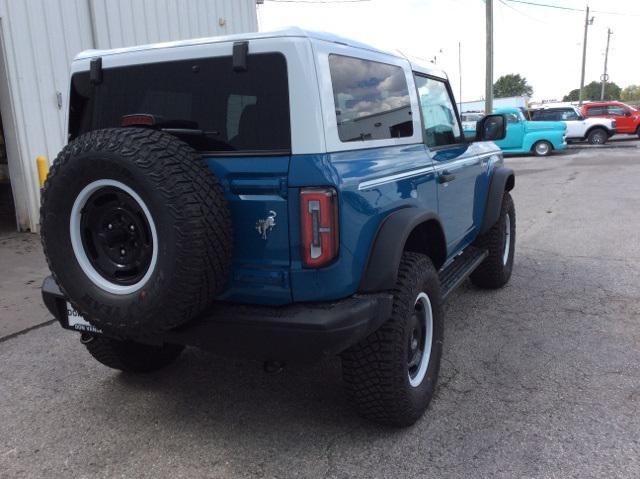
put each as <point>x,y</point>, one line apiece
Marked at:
<point>39,40</point>
<point>126,22</point>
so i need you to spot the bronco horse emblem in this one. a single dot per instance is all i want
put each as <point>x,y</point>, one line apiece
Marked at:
<point>266,225</point>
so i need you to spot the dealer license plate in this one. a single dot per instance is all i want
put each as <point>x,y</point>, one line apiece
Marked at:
<point>76,321</point>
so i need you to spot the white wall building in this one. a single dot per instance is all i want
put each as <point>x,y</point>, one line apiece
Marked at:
<point>506,102</point>
<point>40,38</point>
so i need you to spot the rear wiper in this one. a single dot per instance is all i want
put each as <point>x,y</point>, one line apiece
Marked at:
<point>190,131</point>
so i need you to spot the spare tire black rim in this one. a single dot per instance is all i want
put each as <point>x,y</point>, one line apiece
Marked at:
<point>113,236</point>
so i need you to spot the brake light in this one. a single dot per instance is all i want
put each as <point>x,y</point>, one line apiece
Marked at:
<point>319,222</point>
<point>141,119</point>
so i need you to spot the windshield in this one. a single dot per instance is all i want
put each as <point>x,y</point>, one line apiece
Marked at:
<point>204,101</point>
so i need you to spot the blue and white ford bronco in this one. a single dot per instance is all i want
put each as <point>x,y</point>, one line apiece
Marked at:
<point>280,196</point>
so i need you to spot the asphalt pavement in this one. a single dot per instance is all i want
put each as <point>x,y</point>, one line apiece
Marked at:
<point>539,379</point>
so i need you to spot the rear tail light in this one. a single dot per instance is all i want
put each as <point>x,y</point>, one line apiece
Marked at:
<point>141,119</point>
<point>319,222</point>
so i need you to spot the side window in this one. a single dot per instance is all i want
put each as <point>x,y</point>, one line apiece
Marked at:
<point>615,110</point>
<point>512,118</point>
<point>596,111</point>
<point>554,115</point>
<point>569,115</point>
<point>371,99</point>
<point>439,115</point>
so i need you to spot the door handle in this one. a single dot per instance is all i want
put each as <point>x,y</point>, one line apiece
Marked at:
<point>446,177</point>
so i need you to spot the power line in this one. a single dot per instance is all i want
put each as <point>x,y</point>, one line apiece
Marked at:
<point>560,7</point>
<point>318,1</point>
<point>521,12</point>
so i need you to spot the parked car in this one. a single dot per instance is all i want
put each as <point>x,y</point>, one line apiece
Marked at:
<point>594,130</point>
<point>627,118</point>
<point>524,136</point>
<point>470,120</point>
<point>212,194</point>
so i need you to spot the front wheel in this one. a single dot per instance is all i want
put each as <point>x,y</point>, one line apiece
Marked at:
<point>390,376</point>
<point>542,148</point>
<point>129,356</point>
<point>597,137</point>
<point>500,241</point>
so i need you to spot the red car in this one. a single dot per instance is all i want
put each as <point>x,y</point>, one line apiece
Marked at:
<point>627,118</point>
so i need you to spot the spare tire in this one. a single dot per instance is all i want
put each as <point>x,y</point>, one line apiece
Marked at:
<point>135,229</point>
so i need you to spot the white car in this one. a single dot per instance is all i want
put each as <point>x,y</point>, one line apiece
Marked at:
<point>594,130</point>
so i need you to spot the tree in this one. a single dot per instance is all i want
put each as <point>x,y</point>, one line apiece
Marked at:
<point>631,93</point>
<point>511,85</point>
<point>592,92</point>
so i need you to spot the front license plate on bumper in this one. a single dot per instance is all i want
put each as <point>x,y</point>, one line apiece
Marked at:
<point>76,321</point>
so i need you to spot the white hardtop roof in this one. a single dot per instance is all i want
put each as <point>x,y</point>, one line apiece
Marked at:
<point>419,66</point>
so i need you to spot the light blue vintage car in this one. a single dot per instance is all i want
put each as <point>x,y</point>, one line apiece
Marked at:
<point>539,137</point>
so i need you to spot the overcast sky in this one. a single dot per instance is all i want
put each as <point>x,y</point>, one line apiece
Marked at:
<point>542,44</point>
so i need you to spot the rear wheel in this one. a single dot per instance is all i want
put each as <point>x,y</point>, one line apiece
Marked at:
<point>597,136</point>
<point>130,356</point>
<point>542,148</point>
<point>391,375</point>
<point>638,132</point>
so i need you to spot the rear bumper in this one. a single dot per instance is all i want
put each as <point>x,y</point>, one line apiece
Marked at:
<point>301,331</point>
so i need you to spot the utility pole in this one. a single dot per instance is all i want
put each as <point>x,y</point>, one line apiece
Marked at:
<point>587,22</point>
<point>460,76</point>
<point>606,58</point>
<point>488,88</point>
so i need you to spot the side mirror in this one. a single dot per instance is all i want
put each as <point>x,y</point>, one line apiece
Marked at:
<point>491,128</point>
<point>627,113</point>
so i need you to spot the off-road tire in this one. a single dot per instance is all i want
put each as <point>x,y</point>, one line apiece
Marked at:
<point>188,209</point>
<point>540,151</point>
<point>494,272</point>
<point>129,356</point>
<point>375,371</point>
<point>597,136</point>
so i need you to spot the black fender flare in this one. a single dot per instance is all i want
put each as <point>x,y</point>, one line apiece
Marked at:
<point>598,127</point>
<point>381,270</point>
<point>502,180</point>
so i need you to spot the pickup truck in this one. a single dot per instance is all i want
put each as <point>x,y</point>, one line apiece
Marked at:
<point>523,136</point>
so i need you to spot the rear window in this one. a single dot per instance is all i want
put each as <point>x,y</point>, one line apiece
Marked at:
<point>215,108</point>
<point>548,115</point>
<point>371,99</point>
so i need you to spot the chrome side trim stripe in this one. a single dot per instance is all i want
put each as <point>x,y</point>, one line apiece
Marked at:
<point>365,185</point>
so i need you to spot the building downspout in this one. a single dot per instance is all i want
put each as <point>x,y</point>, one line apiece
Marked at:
<point>92,23</point>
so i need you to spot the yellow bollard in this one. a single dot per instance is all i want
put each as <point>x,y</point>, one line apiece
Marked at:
<point>43,169</point>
